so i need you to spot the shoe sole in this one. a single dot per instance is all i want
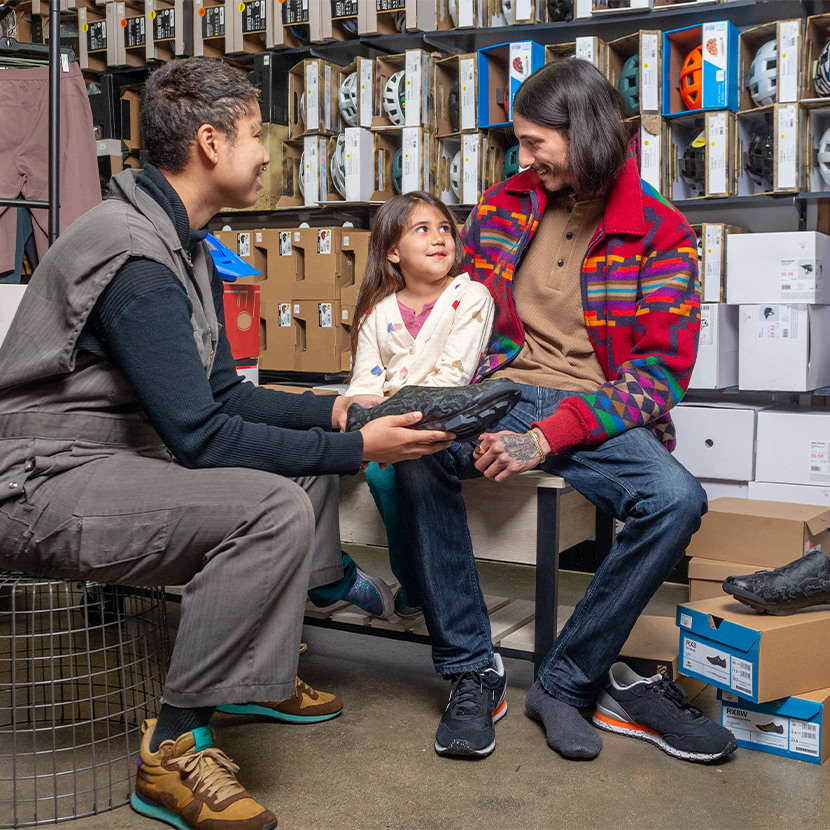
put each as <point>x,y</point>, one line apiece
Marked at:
<point>469,424</point>
<point>608,723</point>
<point>159,813</point>
<point>465,751</point>
<point>272,714</point>
<point>757,604</point>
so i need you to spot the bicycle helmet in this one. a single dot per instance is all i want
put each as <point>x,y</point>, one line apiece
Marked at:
<point>822,79</point>
<point>823,156</point>
<point>511,162</point>
<point>302,108</point>
<point>629,85</point>
<point>400,21</point>
<point>454,107</point>
<point>394,94</point>
<point>338,166</point>
<point>508,9</point>
<point>397,171</point>
<point>347,98</point>
<point>455,174</point>
<point>452,8</point>
<point>693,163</point>
<point>691,79</point>
<point>302,174</point>
<point>763,80</point>
<point>759,160</point>
<point>560,10</point>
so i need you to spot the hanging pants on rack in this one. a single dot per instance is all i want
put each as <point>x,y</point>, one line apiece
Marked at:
<point>24,152</point>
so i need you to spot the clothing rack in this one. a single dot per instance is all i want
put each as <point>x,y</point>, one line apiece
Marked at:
<point>53,205</point>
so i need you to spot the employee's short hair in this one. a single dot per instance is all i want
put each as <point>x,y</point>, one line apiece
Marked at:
<point>574,97</point>
<point>180,97</point>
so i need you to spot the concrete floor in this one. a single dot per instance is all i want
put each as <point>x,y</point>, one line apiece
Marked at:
<point>374,768</point>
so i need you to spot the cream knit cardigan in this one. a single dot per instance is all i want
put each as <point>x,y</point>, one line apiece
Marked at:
<point>446,351</point>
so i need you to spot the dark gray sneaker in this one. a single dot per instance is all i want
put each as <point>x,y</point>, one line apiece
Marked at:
<point>465,410</point>
<point>656,710</point>
<point>477,702</point>
<point>800,584</point>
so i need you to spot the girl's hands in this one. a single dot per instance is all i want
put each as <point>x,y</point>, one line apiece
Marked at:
<point>340,411</point>
<point>500,455</point>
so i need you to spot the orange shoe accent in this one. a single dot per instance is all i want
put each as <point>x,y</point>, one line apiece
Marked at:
<point>620,724</point>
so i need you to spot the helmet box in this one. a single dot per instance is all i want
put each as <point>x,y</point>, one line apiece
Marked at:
<point>634,68</point>
<point>771,158</point>
<point>770,64</point>
<point>455,95</point>
<point>701,155</point>
<point>355,95</point>
<point>816,81</point>
<point>816,151</point>
<point>404,91</point>
<point>501,70</point>
<point>358,165</point>
<point>387,144</point>
<point>312,98</point>
<point>700,68</point>
<point>450,170</point>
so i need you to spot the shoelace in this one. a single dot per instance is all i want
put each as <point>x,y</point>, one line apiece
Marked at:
<point>466,694</point>
<point>301,688</point>
<point>677,695</point>
<point>215,772</point>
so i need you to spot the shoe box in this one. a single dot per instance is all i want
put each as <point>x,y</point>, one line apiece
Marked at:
<point>759,657</point>
<point>796,493</point>
<point>10,297</point>
<point>242,320</point>
<point>793,727</point>
<point>794,447</point>
<point>716,366</point>
<point>320,336</point>
<point>766,534</point>
<point>706,576</point>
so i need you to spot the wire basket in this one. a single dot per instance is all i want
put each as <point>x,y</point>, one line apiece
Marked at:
<point>81,666</point>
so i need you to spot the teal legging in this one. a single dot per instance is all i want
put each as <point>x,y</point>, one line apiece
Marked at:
<point>382,487</point>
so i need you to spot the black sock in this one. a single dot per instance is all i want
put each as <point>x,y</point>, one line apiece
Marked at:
<point>173,722</point>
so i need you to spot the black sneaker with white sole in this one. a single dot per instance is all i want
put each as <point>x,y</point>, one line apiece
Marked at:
<point>466,411</point>
<point>656,710</point>
<point>477,702</point>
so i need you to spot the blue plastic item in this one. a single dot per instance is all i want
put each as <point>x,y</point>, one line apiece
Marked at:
<point>230,266</point>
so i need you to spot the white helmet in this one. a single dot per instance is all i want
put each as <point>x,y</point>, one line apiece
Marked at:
<point>302,109</point>
<point>822,79</point>
<point>452,8</point>
<point>455,174</point>
<point>347,97</point>
<point>508,9</point>
<point>393,98</point>
<point>338,166</point>
<point>763,82</point>
<point>823,156</point>
<point>400,21</point>
<point>302,174</point>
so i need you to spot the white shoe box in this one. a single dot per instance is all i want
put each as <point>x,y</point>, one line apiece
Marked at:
<point>777,267</point>
<point>783,347</point>
<point>716,366</point>
<point>793,447</point>
<point>719,489</point>
<point>792,493</point>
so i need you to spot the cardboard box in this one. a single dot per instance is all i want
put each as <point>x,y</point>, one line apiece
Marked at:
<point>364,93</point>
<point>647,44</point>
<point>793,727</point>
<point>313,86</point>
<point>94,36</point>
<point>794,447</point>
<point>419,163</point>
<point>450,170</point>
<point>783,347</point>
<point>501,71</point>
<point>346,322</point>
<point>315,170</point>
<point>712,242</point>
<point>128,45</point>
<point>495,147</point>
<point>816,35</point>
<point>815,139</point>
<point>787,61</point>
<point>603,6</point>
<point>767,534</point>
<point>359,164</point>
<point>706,576</point>
<point>280,335</point>
<point>388,154</point>
<point>418,89</point>
<point>242,315</point>
<point>293,171</point>
<point>329,263</point>
<point>775,135</point>
<point>473,152</point>
<point>288,14</point>
<point>398,16</point>
<point>793,493</point>
<point>320,336</point>
<point>716,441</point>
<point>212,28</point>
<point>719,76</point>
<point>716,366</point>
<point>591,49</point>
<point>169,25</point>
<point>652,138</point>
<point>757,656</point>
<point>253,26</point>
<point>357,243</point>
<point>456,74</point>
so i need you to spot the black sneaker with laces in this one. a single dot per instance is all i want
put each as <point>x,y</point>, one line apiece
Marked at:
<point>656,710</point>
<point>477,702</point>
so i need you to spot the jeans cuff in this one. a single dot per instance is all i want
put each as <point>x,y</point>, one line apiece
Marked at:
<point>448,672</point>
<point>579,701</point>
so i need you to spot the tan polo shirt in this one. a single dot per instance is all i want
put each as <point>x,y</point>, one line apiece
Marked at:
<point>546,290</point>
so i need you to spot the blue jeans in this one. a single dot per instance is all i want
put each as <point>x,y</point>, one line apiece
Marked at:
<point>631,476</point>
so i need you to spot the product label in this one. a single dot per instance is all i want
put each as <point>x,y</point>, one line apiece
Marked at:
<point>685,620</point>
<point>465,13</point>
<point>742,676</point>
<point>649,82</point>
<point>259,236</point>
<point>800,280</point>
<point>585,49</point>
<point>714,44</point>
<point>716,154</point>
<point>756,727</point>
<point>778,322</point>
<point>311,174</point>
<point>164,24</point>
<point>819,466</point>
<point>213,22</point>
<point>96,36</point>
<point>787,61</point>
<point>365,80</point>
<point>805,737</point>
<point>285,243</point>
<point>786,135</point>
<point>410,173</point>
<point>467,89</point>
<point>312,96</point>
<point>134,32</point>
<point>253,16</point>
<point>327,113</point>
<point>650,158</point>
<point>469,170</point>
<point>243,244</point>
<point>344,8</point>
<point>524,12</point>
<point>707,662</point>
<point>412,93</point>
<point>712,259</point>
<point>324,312</point>
<point>708,324</point>
<point>324,241</point>
<point>284,314</point>
<point>294,11</point>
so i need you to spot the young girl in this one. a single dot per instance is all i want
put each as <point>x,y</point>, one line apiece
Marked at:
<point>422,322</point>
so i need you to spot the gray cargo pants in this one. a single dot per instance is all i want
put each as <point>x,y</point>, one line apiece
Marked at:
<point>247,545</point>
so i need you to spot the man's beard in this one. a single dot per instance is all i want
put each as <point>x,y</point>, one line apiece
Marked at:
<point>562,173</point>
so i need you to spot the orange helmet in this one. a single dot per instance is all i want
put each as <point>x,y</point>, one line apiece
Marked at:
<point>691,79</point>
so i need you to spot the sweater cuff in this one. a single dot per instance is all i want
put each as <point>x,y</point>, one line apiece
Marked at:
<point>345,453</point>
<point>317,408</point>
<point>563,430</point>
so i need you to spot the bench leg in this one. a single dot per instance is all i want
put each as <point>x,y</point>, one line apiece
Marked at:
<point>547,572</point>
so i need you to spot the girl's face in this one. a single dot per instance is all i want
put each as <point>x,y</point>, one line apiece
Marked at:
<point>426,249</point>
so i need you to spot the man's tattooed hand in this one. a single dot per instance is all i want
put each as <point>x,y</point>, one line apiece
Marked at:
<point>521,449</point>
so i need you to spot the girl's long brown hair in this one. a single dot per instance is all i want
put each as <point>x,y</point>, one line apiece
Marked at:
<point>383,277</point>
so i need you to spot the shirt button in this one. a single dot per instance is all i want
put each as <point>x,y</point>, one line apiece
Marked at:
<point>13,485</point>
<point>412,350</point>
<point>561,263</point>
<point>569,235</point>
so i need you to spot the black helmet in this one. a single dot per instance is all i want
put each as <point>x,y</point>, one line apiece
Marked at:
<point>454,107</point>
<point>693,163</point>
<point>560,10</point>
<point>759,159</point>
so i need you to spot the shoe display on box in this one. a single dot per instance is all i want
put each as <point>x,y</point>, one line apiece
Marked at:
<point>306,705</point>
<point>466,411</point>
<point>778,728</point>
<point>477,703</point>
<point>372,595</point>
<point>189,783</point>
<point>656,710</point>
<point>404,611</point>
<point>717,660</point>
<point>800,584</point>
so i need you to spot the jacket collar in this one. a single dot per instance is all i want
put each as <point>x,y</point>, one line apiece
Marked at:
<point>623,202</point>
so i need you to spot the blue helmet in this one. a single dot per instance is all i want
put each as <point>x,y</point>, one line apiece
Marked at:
<point>629,85</point>
<point>511,162</point>
<point>230,266</point>
<point>397,171</point>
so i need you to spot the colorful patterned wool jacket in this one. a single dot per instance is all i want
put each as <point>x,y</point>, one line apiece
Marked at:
<point>640,295</point>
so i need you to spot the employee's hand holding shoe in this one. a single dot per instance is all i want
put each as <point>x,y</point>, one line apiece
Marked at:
<point>390,439</point>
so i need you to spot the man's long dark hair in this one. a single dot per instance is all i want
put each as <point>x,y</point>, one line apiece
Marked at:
<point>574,97</point>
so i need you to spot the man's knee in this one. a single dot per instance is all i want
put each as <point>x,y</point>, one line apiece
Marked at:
<point>685,498</point>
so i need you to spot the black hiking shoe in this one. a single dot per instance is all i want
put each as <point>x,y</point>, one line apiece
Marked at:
<point>477,702</point>
<point>466,411</point>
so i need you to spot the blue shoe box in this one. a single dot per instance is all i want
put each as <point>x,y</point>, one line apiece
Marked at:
<point>504,67</point>
<point>755,656</point>
<point>793,727</point>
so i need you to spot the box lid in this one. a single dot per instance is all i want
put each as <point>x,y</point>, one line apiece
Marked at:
<point>815,517</point>
<point>711,616</point>
<point>715,569</point>
<point>806,706</point>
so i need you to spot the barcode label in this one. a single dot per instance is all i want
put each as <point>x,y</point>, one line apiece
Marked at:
<point>742,676</point>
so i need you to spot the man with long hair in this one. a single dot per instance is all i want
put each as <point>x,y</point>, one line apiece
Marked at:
<point>594,277</point>
<point>132,453</point>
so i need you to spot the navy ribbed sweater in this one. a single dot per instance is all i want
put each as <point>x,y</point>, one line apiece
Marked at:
<point>141,323</point>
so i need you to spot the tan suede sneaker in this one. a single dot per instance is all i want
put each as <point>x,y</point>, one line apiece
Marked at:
<point>306,705</point>
<point>192,785</point>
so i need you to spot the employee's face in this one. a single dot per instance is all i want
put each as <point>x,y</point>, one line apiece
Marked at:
<point>544,149</point>
<point>241,163</point>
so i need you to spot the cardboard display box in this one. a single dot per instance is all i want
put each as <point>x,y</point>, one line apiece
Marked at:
<point>330,263</point>
<point>356,244</point>
<point>495,147</point>
<point>646,44</point>
<point>212,28</point>
<point>320,335</point>
<point>288,14</point>
<point>787,61</point>
<point>459,74</point>
<point>794,447</point>
<point>591,49</point>
<point>784,170</point>
<point>757,656</point>
<point>501,71</point>
<point>253,27</point>
<point>701,155</point>
<point>128,25</point>
<point>359,164</point>
<point>313,86</point>
<point>766,534</point>
<point>602,6</point>
<point>364,92</point>
<point>783,347</point>
<point>169,25</point>
<point>793,727</point>
<point>394,16</point>
<point>418,102</point>
<point>716,441</point>
<point>706,576</point>
<point>712,245</point>
<point>94,38</point>
<point>793,493</point>
<point>816,35</point>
